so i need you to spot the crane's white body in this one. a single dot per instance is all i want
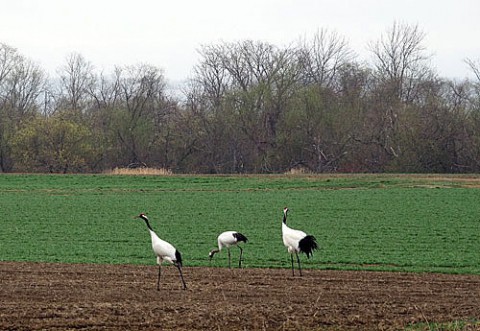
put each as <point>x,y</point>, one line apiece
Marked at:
<point>226,239</point>
<point>162,249</point>
<point>291,238</point>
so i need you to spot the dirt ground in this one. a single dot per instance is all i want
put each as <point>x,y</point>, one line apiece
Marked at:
<point>37,296</point>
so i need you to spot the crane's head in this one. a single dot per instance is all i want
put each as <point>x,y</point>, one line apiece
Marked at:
<point>212,253</point>
<point>142,216</point>
<point>285,211</point>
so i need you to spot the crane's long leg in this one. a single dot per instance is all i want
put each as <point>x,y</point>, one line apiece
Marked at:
<point>291,257</point>
<point>181,276</point>
<point>229,266</point>
<point>299,266</point>
<point>159,274</point>
<point>240,259</point>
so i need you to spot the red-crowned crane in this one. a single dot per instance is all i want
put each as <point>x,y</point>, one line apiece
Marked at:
<point>297,241</point>
<point>164,252</point>
<point>227,239</point>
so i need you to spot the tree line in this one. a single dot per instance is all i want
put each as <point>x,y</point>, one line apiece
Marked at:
<point>249,107</point>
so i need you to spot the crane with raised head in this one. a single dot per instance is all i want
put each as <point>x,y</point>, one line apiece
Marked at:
<point>297,241</point>
<point>164,252</point>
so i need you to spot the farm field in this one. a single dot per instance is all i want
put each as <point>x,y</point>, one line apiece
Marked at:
<point>367,222</point>
<point>39,296</point>
<point>70,246</point>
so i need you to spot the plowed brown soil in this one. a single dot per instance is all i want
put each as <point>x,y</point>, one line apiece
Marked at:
<point>36,296</point>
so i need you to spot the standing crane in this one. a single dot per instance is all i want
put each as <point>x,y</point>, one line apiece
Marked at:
<point>164,252</point>
<point>297,241</point>
<point>227,239</point>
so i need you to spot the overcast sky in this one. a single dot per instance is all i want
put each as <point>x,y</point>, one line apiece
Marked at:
<point>167,34</point>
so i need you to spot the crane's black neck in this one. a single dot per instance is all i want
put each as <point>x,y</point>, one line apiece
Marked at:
<point>284,217</point>
<point>143,217</point>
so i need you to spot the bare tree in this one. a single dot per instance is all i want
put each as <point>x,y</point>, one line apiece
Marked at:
<point>400,60</point>
<point>8,60</point>
<point>475,66</point>
<point>265,76</point>
<point>76,77</point>
<point>323,57</point>
<point>25,84</point>
<point>21,82</point>
<point>144,107</point>
<point>212,75</point>
<point>475,90</point>
<point>105,90</point>
<point>245,87</point>
<point>401,70</point>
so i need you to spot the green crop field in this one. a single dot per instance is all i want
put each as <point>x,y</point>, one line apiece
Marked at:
<point>367,222</point>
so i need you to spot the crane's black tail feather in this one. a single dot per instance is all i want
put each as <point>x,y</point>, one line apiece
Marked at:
<point>307,245</point>
<point>178,258</point>
<point>240,237</point>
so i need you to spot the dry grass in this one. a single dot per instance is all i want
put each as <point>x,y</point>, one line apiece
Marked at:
<point>140,171</point>
<point>299,170</point>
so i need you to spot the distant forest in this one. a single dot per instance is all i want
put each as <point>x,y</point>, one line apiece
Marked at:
<point>249,107</point>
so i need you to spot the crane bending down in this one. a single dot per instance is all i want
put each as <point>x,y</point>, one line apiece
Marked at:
<point>297,241</point>
<point>227,239</point>
<point>164,252</point>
